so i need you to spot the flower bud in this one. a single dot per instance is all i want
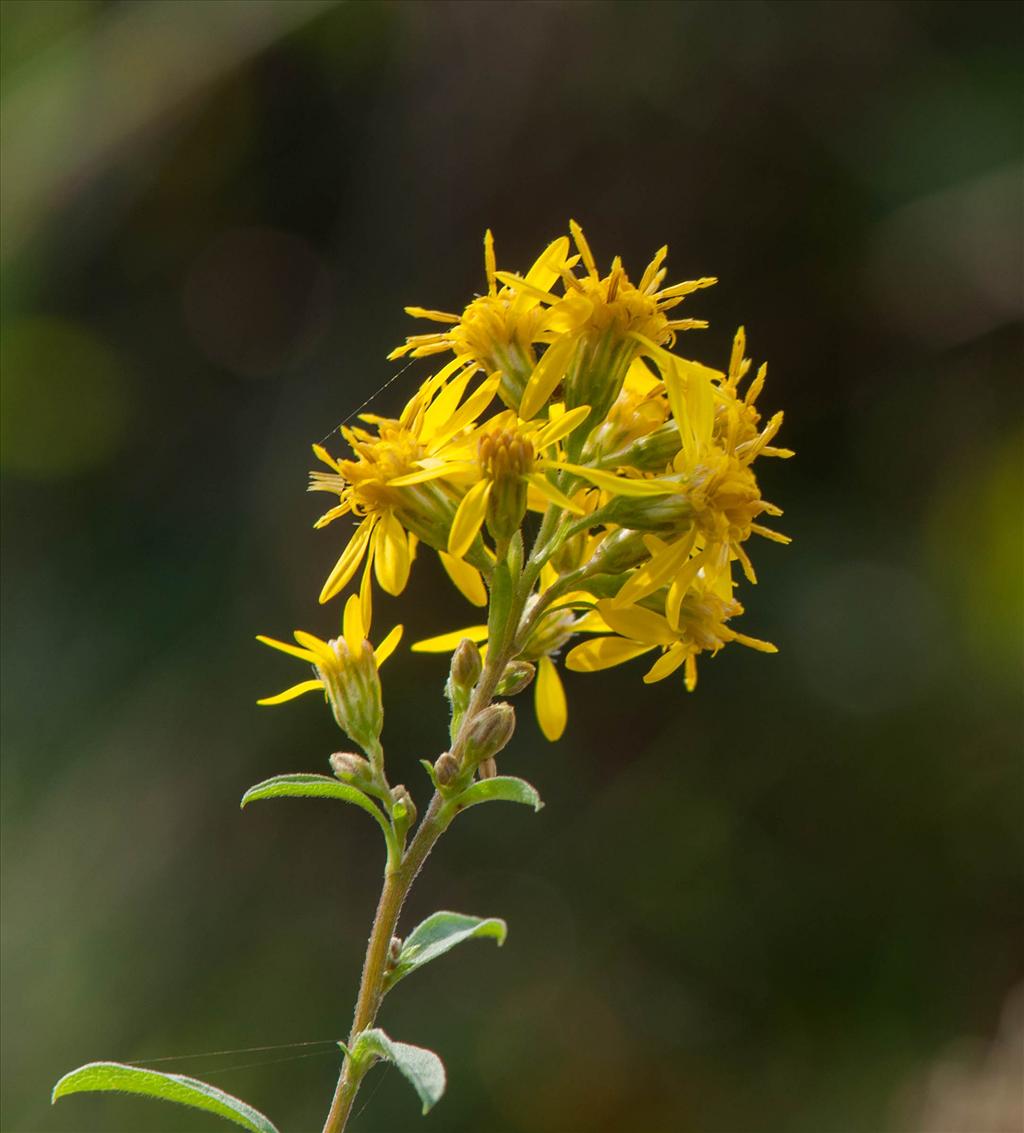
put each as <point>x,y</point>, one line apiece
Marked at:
<point>350,768</point>
<point>619,552</point>
<point>506,458</point>
<point>467,665</point>
<point>489,732</point>
<point>404,809</point>
<point>550,634</point>
<point>446,768</point>
<point>394,950</point>
<point>516,677</point>
<point>670,513</point>
<point>488,769</point>
<point>654,452</point>
<point>353,690</point>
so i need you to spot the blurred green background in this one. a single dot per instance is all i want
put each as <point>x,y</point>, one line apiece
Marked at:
<point>789,903</point>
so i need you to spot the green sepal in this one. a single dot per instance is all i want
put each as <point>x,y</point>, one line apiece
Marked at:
<point>438,934</point>
<point>502,787</point>
<point>420,1067</point>
<point>115,1076</point>
<point>429,768</point>
<point>315,787</point>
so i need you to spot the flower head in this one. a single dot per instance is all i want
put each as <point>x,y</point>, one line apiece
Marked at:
<point>700,626</point>
<point>346,672</point>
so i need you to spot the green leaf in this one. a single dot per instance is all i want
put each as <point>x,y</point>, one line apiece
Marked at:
<point>107,1076</point>
<point>440,933</point>
<point>314,787</point>
<point>506,787</point>
<point>421,1068</point>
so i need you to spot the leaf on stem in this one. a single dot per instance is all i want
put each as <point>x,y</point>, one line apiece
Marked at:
<point>503,787</point>
<point>438,934</point>
<point>115,1076</point>
<point>421,1068</point>
<point>314,787</point>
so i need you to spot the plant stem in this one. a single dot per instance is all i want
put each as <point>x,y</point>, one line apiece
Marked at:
<point>398,881</point>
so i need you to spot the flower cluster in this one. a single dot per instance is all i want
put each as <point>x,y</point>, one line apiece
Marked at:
<point>568,458</point>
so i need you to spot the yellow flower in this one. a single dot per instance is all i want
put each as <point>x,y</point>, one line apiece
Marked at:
<point>602,320</point>
<point>700,627</point>
<point>506,468</point>
<point>719,500</point>
<point>500,329</point>
<point>346,672</point>
<point>388,485</point>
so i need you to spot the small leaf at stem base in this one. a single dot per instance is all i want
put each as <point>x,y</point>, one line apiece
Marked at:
<point>420,1067</point>
<point>438,934</point>
<point>502,787</point>
<point>115,1076</point>
<point>314,787</point>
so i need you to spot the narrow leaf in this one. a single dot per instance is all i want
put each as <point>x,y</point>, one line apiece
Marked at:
<point>313,787</point>
<point>506,787</point>
<point>114,1076</point>
<point>440,933</point>
<point>420,1067</point>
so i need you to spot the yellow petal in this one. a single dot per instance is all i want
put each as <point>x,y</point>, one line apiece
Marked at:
<point>352,626</point>
<point>391,561</point>
<point>292,693</point>
<point>320,649</point>
<point>468,412</point>
<point>546,375</point>
<point>350,559</point>
<point>366,598</point>
<point>547,267</point>
<point>559,427</point>
<point>756,643</point>
<point>446,642</point>
<point>388,645</point>
<point>434,316</point>
<point>466,578</point>
<point>544,486</point>
<point>549,700</point>
<point>445,404</point>
<point>665,665</point>
<point>637,623</point>
<point>662,565</point>
<point>584,247</point>
<point>291,650</point>
<point>469,518</point>
<point>608,482</point>
<point>322,454</point>
<point>602,653</point>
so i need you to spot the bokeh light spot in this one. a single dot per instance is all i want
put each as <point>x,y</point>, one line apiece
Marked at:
<point>66,404</point>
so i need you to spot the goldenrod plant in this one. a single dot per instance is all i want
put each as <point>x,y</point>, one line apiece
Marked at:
<point>590,489</point>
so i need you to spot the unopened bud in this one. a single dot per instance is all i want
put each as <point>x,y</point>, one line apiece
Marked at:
<point>652,513</point>
<point>404,808</point>
<point>489,733</point>
<point>488,769</point>
<point>353,690</point>
<point>654,451</point>
<point>467,664</point>
<point>349,767</point>
<point>618,552</point>
<point>394,949</point>
<point>506,458</point>
<point>446,768</point>
<point>516,677</point>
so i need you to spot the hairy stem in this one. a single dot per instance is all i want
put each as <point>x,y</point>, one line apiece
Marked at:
<point>398,880</point>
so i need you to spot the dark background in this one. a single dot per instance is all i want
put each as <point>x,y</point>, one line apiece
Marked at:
<point>789,903</point>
